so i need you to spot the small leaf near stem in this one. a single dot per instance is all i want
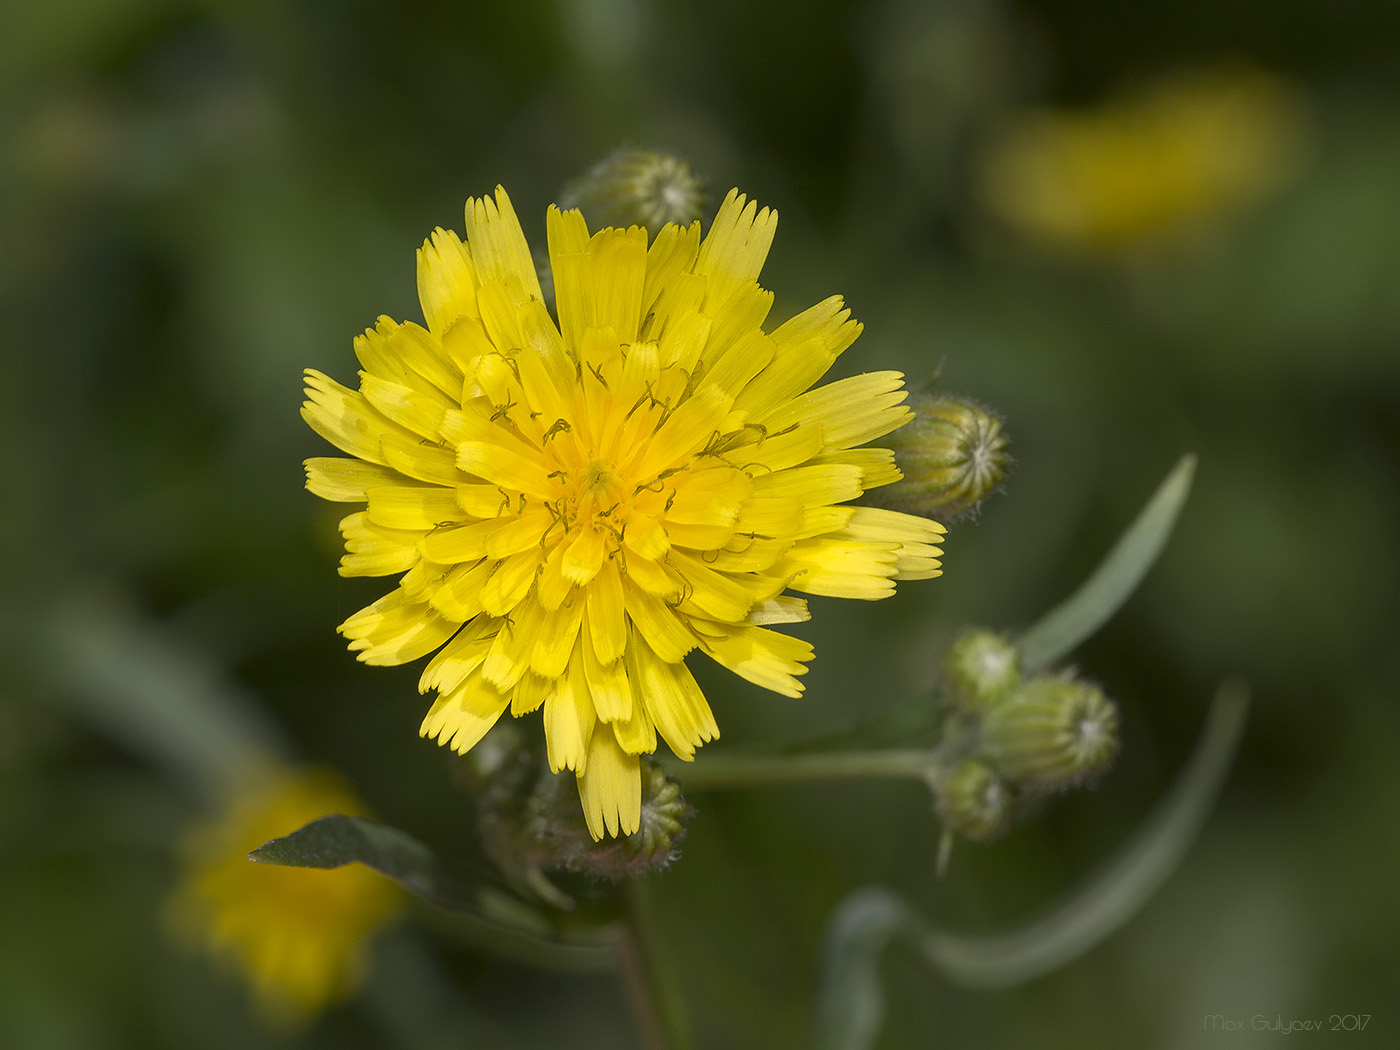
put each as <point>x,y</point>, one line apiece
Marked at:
<point>334,841</point>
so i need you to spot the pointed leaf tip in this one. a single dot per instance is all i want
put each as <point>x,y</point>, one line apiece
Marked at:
<point>1074,620</point>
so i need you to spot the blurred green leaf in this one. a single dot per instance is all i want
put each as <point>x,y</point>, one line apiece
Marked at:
<point>138,681</point>
<point>851,1007</point>
<point>1075,619</point>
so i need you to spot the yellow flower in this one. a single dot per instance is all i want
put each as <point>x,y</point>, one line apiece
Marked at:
<point>298,935</point>
<point>576,507</point>
<point>1188,150</point>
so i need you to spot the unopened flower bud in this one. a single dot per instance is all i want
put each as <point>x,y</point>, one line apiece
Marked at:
<point>974,800</point>
<point>980,667</point>
<point>664,812</point>
<point>1051,733</point>
<point>952,455</point>
<point>635,187</point>
<point>530,822</point>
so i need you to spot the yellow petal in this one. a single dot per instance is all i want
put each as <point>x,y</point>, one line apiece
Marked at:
<point>741,362</point>
<point>557,636</point>
<point>747,553</point>
<point>343,417</point>
<point>784,608</point>
<point>834,483</point>
<point>736,247</point>
<point>876,465</point>
<point>607,683</point>
<point>446,281</point>
<point>509,656</point>
<point>636,733</point>
<point>764,657</point>
<point>531,691</point>
<point>420,459</point>
<point>607,621</point>
<point>424,363</point>
<point>840,568</point>
<point>851,411</point>
<point>610,790</point>
<point>498,246</point>
<point>735,318</point>
<point>376,551</point>
<point>723,597</point>
<point>395,631</point>
<point>672,254</point>
<point>519,534</point>
<point>412,506</point>
<point>509,583</point>
<point>643,535</point>
<point>652,578</point>
<point>598,282</point>
<point>411,409</point>
<point>674,702</point>
<point>346,480</point>
<point>806,346</point>
<point>458,543</point>
<point>707,497</point>
<point>462,717</point>
<point>512,469</point>
<point>777,451</point>
<point>569,721</point>
<point>658,623</point>
<point>458,597</point>
<point>583,558</point>
<point>461,656</point>
<point>684,433</point>
<point>552,588</point>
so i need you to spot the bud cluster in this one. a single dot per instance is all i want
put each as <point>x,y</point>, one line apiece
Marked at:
<point>1010,740</point>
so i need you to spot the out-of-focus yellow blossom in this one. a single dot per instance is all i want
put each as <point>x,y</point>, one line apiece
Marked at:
<point>1187,151</point>
<point>577,505</point>
<point>297,935</point>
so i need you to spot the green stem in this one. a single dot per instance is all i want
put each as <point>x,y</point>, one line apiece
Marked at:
<point>729,771</point>
<point>658,1008</point>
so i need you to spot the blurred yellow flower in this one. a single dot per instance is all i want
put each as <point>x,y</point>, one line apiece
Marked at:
<point>297,935</point>
<point>1190,149</point>
<point>577,506</point>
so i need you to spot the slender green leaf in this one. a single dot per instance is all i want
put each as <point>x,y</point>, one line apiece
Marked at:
<point>1068,624</point>
<point>334,841</point>
<point>137,681</point>
<point>852,1006</point>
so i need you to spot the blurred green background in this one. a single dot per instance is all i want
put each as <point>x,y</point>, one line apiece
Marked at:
<point>198,198</point>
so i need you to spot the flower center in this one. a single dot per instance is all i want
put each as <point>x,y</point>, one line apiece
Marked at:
<point>598,479</point>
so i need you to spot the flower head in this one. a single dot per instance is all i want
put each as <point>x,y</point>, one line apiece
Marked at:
<point>576,506</point>
<point>297,934</point>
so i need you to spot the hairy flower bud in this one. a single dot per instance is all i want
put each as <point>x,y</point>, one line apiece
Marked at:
<point>980,667</point>
<point>530,821</point>
<point>973,800</point>
<point>634,187</point>
<point>1051,733</point>
<point>952,454</point>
